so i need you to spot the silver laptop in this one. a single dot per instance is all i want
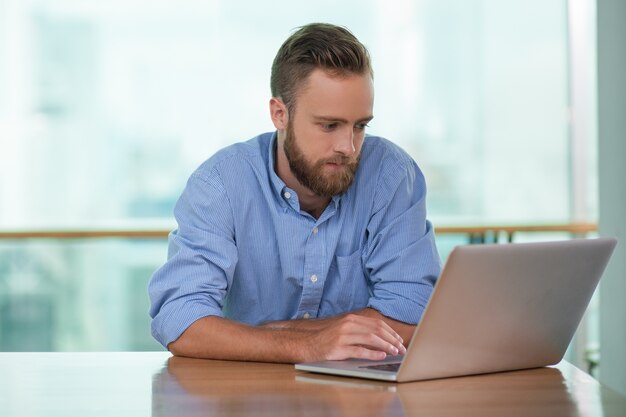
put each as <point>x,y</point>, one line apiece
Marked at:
<point>494,308</point>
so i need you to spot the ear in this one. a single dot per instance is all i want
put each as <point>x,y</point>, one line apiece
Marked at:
<point>279,113</point>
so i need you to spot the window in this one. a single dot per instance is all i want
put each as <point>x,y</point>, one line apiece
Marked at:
<point>106,108</point>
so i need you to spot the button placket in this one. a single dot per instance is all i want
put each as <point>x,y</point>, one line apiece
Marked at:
<point>314,267</point>
<point>313,277</point>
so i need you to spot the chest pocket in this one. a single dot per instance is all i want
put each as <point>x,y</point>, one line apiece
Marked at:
<point>351,286</point>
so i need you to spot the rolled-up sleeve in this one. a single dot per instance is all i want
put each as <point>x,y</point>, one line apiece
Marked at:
<point>202,257</point>
<point>400,258</point>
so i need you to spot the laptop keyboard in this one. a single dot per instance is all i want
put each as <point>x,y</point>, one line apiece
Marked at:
<point>389,367</point>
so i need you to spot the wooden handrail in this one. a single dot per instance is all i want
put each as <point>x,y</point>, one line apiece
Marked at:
<point>493,233</point>
<point>573,228</point>
<point>84,234</point>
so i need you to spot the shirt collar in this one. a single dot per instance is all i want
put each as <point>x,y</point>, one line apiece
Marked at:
<point>277,183</point>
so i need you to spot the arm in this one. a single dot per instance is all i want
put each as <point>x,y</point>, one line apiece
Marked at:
<point>348,336</point>
<point>400,256</point>
<point>403,330</point>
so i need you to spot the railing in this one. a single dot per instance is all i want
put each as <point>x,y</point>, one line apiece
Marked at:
<point>476,234</point>
<point>57,286</point>
<point>491,233</point>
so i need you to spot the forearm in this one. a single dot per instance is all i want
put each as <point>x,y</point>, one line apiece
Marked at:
<point>218,338</point>
<point>341,337</point>
<point>302,325</point>
<point>403,329</point>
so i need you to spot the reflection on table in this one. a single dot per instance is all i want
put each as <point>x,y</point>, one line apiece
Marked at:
<point>197,387</point>
<point>157,384</point>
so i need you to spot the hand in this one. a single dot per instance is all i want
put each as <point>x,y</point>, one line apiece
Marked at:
<point>352,336</point>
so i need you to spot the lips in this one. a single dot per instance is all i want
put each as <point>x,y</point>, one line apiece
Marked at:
<point>335,165</point>
<point>341,162</point>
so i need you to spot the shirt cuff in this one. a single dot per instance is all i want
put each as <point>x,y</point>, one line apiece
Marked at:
<point>173,320</point>
<point>403,309</point>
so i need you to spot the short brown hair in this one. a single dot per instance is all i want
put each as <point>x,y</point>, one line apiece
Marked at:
<point>317,45</point>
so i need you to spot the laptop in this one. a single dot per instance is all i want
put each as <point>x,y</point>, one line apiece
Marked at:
<point>495,308</point>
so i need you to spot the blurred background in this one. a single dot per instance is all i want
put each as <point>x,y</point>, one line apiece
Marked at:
<point>107,107</point>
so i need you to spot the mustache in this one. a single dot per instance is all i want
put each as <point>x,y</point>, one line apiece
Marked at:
<point>340,160</point>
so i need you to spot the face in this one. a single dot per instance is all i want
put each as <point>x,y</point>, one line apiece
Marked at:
<point>323,138</point>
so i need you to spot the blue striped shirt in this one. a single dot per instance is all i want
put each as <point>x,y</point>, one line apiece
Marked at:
<point>245,250</point>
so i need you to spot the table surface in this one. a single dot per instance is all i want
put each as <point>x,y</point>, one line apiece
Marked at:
<point>157,384</point>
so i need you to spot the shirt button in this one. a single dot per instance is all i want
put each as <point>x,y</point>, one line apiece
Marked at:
<point>315,230</point>
<point>287,195</point>
<point>313,279</point>
<point>306,315</point>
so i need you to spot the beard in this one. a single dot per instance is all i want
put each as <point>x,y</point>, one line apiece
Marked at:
<point>313,175</point>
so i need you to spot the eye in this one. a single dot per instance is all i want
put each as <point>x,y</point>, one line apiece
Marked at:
<point>360,126</point>
<point>328,127</point>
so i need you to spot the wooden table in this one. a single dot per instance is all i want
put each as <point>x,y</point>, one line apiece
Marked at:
<point>156,384</point>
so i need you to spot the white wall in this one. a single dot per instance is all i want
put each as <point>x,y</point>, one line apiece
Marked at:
<point>611,26</point>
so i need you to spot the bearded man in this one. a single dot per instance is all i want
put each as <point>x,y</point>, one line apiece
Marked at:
<point>304,244</point>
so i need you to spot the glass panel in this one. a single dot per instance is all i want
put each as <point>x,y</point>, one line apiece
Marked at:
<point>77,296</point>
<point>107,107</point>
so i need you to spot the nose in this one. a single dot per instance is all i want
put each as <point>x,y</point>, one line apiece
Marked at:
<point>345,143</point>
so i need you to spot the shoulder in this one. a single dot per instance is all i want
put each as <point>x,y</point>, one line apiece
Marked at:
<point>236,160</point>
<point>381,147</point>
<point>389,174</point>
<point>387,161</point>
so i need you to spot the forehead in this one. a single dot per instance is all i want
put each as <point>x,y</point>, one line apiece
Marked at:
<point>348,96</point>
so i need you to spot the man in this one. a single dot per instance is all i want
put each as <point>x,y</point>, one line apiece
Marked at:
<point>308,243</point>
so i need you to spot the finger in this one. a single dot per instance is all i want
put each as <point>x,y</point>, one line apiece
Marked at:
<point>397,340</point>
<point>379,342</point>
<point>377,326</point>
<point>358,352</point>
<point>370,341</point>
<point>383,331</point>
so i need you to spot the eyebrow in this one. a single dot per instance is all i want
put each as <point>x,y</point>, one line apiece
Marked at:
<point>339,119</point>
